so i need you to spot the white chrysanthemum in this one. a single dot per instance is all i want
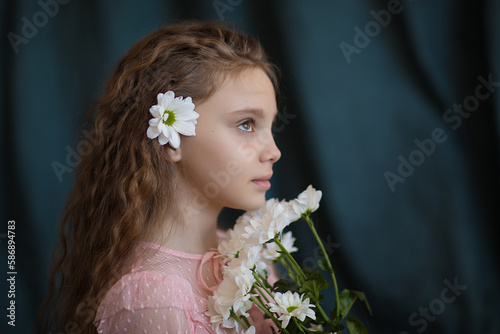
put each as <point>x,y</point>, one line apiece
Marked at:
<point>230,247</point>
<point>270,250</point>
<point>217,318</point>
<point>234,291</point>
<point>306,202</point>
<point>172,116</point>
<point>245,218</point>
<point>250,258</point>
<point>215,314</point>
<point>290,305</point>
<point>274,219</point>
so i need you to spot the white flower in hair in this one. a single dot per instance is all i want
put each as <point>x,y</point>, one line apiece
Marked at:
<point>172,116</point>
<point>291,305</point>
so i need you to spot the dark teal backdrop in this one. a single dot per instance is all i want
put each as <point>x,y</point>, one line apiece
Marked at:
<point>391,109</point>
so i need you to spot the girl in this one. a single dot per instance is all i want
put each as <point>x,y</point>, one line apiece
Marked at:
<point>183,129</point>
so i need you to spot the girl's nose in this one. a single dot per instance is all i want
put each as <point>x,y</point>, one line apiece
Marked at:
<point>270,151</point>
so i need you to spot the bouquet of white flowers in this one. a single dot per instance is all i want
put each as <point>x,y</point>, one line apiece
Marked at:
<point>294,305</point>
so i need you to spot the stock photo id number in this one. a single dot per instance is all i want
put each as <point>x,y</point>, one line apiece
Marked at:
<point>11,272</point>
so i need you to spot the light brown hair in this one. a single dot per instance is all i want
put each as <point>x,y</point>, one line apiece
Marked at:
<point>122,191</point>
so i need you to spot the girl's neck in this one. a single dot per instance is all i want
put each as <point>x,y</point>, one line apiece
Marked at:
<point>195,231</point>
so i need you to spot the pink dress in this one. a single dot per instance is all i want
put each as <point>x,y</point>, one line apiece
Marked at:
<point>165,292</point>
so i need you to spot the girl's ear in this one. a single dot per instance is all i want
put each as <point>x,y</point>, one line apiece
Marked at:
<point>174,155</point>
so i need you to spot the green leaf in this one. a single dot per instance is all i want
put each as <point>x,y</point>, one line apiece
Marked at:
<point>346,301</point>
<point>347,298</point>
<point>310,272</point>
<point>284,285</point>
<point>323,265</point>
<point>355,326</point>
<point>312,287</point>
<point>315,284</point>
<point>362,297</point>
<point>291,273</point>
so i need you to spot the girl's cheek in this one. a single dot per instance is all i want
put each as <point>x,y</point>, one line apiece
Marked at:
<point>247,151</point>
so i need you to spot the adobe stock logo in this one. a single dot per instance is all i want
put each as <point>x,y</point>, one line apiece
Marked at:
<point>49,8</point>
<point>74,157</point>
<point>436,306</point>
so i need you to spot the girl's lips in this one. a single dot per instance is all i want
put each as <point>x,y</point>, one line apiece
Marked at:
<point>262,183</point>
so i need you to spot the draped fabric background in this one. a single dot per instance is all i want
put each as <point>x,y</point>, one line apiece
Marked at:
<point>390,108</point>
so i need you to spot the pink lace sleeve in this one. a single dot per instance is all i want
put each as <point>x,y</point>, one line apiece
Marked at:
<point>147,321</point>
<point>149,303</point>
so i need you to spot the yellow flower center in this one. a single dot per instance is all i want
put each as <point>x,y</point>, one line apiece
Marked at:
<point>168,117</point>
<point>291,308</point>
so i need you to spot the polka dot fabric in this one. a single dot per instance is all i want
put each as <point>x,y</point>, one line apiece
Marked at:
<point>163,294</point>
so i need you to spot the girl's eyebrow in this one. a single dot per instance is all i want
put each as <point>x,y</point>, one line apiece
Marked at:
<point>256,112</point>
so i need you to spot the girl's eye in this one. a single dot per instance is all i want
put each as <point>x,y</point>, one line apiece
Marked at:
<point>246,126</point>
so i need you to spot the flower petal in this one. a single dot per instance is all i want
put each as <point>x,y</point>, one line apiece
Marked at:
<point>189,115</point>
<point>163,139</point>
<point>154,122</point>
<point>156,111</point>
<point>152,132</point>
<point>185,128</point>
<point>166,99</point>
<point>163,129</point>
<point>175,140</point>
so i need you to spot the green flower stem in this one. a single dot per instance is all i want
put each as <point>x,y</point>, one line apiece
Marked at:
<point>257,297</point>
<point>305,328</point>
<point>246,322</point>
<point>320,309</point>
<point>290,258</point>
<point>300,273</point>
<point>285,264</point>
<point>256,286</point>
<point>264,280</point>
<point>269,314</point>
<point>325,255</point>
<point>323,314</point>
<point>238,320</point>
<point>261,293</point>
<point>298,324</point>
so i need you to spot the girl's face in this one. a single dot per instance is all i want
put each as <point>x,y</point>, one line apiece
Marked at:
<point>229,162</point>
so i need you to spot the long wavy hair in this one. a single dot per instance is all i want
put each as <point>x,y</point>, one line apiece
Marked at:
<point>124,187</point>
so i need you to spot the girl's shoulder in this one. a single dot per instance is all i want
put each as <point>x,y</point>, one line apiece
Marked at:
<point>165,253</point>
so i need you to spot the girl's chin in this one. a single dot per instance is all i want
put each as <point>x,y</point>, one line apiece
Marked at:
<point>251,206</point>
<point>257,205</point>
